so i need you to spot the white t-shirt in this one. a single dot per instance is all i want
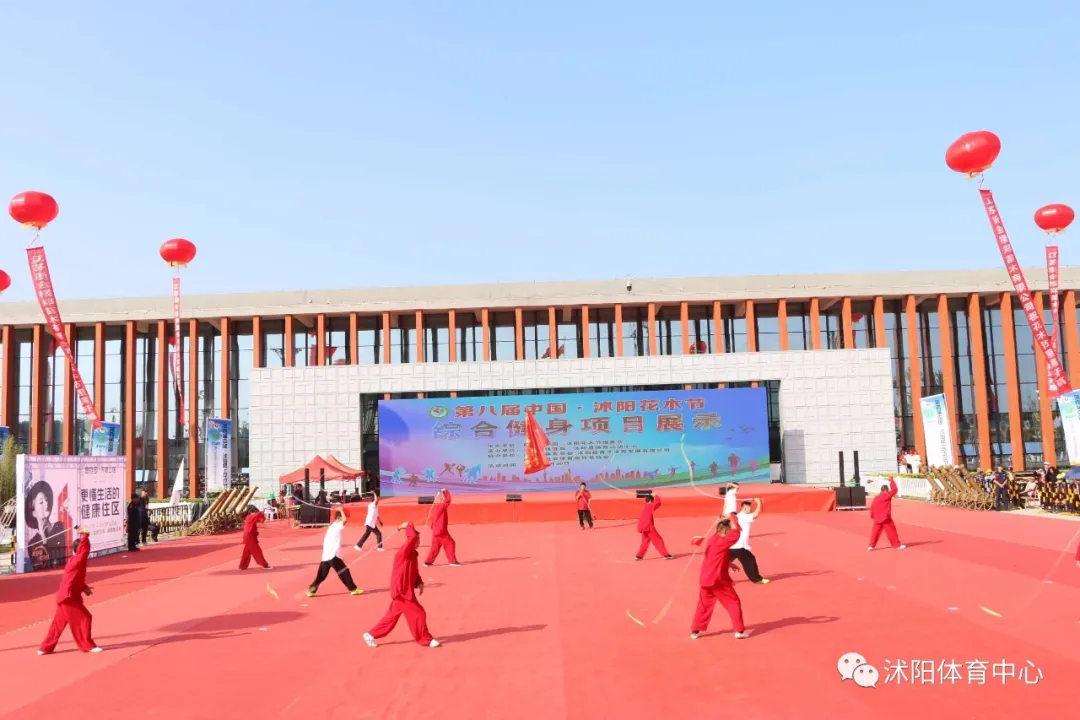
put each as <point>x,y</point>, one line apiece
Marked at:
<point>372,514</point>
<point>731,502</point>
<point>331,544</point>
<point>746,519</point>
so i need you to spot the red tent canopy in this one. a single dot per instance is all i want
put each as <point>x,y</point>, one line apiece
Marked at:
<point>330,472</point>
<point>349,473</point>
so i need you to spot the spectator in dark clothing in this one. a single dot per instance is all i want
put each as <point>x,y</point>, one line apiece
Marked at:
<point>144,516</point>
<point>134,522</point>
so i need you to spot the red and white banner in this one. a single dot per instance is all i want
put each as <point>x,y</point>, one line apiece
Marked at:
<point>1055,374</point>
<point>43,288</point>
<point>1052,262</point>
<point>178,380</point>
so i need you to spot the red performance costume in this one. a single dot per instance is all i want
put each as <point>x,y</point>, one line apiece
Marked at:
<point>251,541</point>
<point>716,584</point>
<point>69,605</point>
<point>440,536</point>
<point>881,514</point>
<point>647,528</point>
<point>404,581</point>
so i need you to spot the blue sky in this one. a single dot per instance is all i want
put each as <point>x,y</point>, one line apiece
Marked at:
<point>363,144</point>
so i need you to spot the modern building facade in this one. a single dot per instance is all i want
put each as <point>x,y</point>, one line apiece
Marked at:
<point>959,333</point>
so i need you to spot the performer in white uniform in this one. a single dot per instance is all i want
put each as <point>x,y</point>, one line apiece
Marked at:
<point>731,500</point>
<point>330,557</point>
<point>371,524</point>
<point>740,551</point>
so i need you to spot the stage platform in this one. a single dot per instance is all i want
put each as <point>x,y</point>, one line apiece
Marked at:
<point>606,505</point>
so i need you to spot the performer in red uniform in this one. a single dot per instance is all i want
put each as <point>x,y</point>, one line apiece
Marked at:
<point>69,604</point>
<point>716,585</point>
<point>405,585</point>
<point>440,536</point>
<point>647,527</point>
<point>251,541</point>
<point>584,506</point>
<point>881,514</point>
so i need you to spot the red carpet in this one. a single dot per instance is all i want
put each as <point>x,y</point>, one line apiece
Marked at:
<point>606,504</point>
<point>535,626</point>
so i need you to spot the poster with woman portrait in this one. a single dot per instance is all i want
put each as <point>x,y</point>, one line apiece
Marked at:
<point>45,524</point>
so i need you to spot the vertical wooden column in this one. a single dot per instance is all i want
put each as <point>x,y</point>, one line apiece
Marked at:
<point>751,327</point>
<point>553,334</point>
<point>7,378</point>
<point>162,401</point>
<point>320,339</point>
<point>519,334</point>
<point>781,323</point>
<point>948,373</point>
<point>684,324</point>
<point>815,324</point>
<point>99,369</point>
<point>978,372</point>
<point>915,374</point>
<point>485,334</point>
<point>67,442</point>
<point>386,338</point>
<point>651,311</point>
<point>585,339</point>
<point>718,326</point>
<point>288,352</point>
<point>618,331</point>
<point>845,320</point>
<point>257,342</point>
<point>226,361</point>
<point>354,348</point>
<point>131,349</point>
<point>452,332</point>
<point>193,402</point>
<point>1071,346</point>
<point>37,394</point>
<point>1012,377</point>
<point>879,323</point>
<point>419,336</point>
<point>1046,406</point>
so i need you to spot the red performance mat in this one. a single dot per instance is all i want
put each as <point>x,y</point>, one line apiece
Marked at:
<point>540,623</point>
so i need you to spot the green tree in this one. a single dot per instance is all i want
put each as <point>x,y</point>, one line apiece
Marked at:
<point>7,469</point>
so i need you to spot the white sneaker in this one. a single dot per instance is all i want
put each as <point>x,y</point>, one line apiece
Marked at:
<point>902,547</point>
<point>433,644</point>
<point>455,564</point>
<point>380,549</point>
<point>370,640</point>
<point>427,564</point>
<point>694,635</point>
<point>42,652</point>
<point>870,549</point>
<point>96,650</point>
<point>742,635</point>
<point>268,568</point>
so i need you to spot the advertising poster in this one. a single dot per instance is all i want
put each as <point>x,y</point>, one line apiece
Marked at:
<point>218,454</point>
<point>937,432</point>
<point>1069,407</point>
<point>626,440</point>
<point>105,440</point>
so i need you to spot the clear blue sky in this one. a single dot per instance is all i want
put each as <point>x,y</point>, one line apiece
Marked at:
<point>398,143</point>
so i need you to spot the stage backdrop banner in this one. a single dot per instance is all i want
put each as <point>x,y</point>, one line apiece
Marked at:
<point>627,440</point>
<point>218,456</point>
<point>4,432</point>
<point>936,432</point>
<point>1069,407</point>
<point>55,494</point>
<point>105,441</point>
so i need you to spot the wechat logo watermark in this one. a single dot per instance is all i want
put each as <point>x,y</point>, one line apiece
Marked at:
<point>853,666</point>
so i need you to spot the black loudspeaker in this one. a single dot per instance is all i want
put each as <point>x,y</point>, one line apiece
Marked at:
<point>425,500</point>
<point>513,498</point>
<point>855,457</point>
<point>850,498</point>
<point>642,494</point>
<point>842,482</point>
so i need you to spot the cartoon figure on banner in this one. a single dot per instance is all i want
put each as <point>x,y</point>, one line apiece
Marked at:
<point>46,538</point>
<point>429,475</point>
<point>473,473</point>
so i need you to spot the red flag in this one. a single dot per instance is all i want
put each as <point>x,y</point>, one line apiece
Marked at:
<point>536,442</point>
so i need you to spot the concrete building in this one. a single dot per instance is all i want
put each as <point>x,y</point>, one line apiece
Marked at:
<point>845,358</point>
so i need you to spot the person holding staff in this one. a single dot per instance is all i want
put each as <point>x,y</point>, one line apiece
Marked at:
<point>647,527</point>
<point>405,585</point>
<point>251,540</point>
<point>584,507</point>
<point>715,579</point>
<point>69,603</point>
<point>740,551</point>
<point>440,534</point>
<point>371,524</point>
<point>331,557</point>
<point>881,514</point>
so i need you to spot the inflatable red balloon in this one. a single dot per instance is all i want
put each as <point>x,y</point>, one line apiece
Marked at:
<point>1054,218</point>
<point>973,153</point>
<point>33,209</point>
<point>5,281</point>
<point>178,252</point>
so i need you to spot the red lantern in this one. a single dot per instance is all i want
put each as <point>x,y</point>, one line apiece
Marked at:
<point>1054,218</point>
<point>973,153</point>
<point>33,209</point>
<point>178,252</point>
<point>5,281</point>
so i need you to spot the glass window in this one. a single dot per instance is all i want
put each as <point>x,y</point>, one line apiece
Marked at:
<point>669,335</point>
<point>337,341</point>
<point>503,336</point>
<point>53,421</point>
<point>146,364</point>
<point>273,344</point>
<point>437,338</point>
<point>896,337</point>
<point>766,327</point>
<point>470,336</point>
<point>734,329</point>
<point>568,333</point>
<point>702,332</point>
<point>241,360</point>
<point>536,333</point>
<point>24,377</point>
<point>84,359</point>
<point>602,332</point>
<point>931,377</point>
<point>1030,415</point>
<point>403,339</point>
<point>179,404</point>
<point>369,340</point>
<point>305,349</point>
<point>832,325</point>
<point>967,423</point>
<point>798,326</point>
<point>635,331</point>
<point>862,324</point>
<point>997,387</point>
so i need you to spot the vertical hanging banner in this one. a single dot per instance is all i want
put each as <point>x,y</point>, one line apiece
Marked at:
<point>178,486</point>
<point>178,379</point>
<point>1052,268</point>
<point>1069,407</point>
<point>1055,374</point>
<point>218,455</point>
<point>43,288</point>
<point>105,440</point>
<point>937,432</point>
